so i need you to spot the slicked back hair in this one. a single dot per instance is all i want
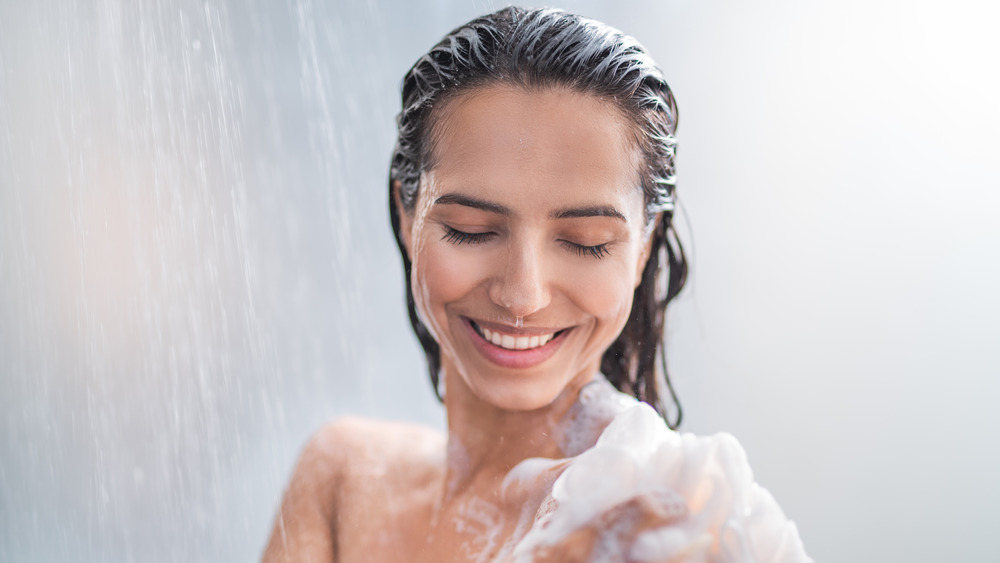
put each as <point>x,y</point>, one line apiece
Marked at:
<point>546,48</point>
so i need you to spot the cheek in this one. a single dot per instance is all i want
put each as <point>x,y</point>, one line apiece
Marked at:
<point>607,292</point>
<point>441,277</point>
<point>613,301</point>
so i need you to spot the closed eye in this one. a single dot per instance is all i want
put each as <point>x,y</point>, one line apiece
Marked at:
<point>456,236</point>
<point>597,251</point>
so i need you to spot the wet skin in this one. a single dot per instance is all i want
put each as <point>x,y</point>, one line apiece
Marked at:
<point>529,225</point>
<point>532,210</point>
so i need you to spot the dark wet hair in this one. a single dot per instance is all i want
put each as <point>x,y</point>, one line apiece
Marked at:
<point>537,49</point>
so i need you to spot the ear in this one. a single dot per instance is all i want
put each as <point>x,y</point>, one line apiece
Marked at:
<point>647,248</point>
<point>405,219</point>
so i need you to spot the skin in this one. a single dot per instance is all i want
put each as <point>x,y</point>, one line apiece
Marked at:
<point>542,186</point>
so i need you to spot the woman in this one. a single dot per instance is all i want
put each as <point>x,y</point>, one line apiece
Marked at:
<point>531,193</point>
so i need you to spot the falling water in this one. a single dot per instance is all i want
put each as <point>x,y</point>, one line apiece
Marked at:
<point>195,266</point>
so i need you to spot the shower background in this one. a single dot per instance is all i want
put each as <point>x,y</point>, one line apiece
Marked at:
<point>196,268</point>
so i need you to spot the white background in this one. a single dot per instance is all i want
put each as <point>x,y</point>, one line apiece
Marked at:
<point>196,267</point>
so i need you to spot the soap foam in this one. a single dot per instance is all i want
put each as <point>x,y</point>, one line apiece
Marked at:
<point>702,488</point>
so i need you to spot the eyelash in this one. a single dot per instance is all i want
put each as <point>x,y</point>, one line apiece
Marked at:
<point>597,251</point>
<point>456,236</point>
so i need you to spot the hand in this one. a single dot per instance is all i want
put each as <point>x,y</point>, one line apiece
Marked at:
<point>612,535</point>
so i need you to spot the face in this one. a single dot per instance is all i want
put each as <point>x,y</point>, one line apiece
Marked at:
<point>527,241</point>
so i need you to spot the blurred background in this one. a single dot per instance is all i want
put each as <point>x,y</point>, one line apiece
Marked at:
<point>197,271</point>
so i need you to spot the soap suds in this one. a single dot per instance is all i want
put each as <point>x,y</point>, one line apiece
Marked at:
<point>696,495</point>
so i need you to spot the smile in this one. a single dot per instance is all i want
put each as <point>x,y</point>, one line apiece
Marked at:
<point>514,342</point>
<point>515,349</point>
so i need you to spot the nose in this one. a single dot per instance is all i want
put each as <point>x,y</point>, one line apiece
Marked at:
<point>521,286</point>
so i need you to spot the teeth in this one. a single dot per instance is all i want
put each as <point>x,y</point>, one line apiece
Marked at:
<point>516,342</point>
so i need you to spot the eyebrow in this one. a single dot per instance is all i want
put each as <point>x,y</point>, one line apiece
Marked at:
<point>595,211</point>
<point>458,199</point>
<point>568,213</point>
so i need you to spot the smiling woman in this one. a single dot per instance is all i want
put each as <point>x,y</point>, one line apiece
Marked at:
<point>532,193</point>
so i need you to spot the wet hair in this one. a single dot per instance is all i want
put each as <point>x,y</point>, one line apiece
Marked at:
<point>547,48</point>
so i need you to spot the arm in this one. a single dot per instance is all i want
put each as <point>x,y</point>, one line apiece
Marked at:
<point>304,526</point>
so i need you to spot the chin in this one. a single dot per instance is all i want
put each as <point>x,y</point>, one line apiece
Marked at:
<point>516,394</point>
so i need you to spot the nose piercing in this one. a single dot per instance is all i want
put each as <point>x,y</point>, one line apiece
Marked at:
<point>518,322</point>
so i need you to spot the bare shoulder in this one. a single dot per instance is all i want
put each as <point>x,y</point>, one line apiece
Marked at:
<point>335,466</point>
<point>379,441</point>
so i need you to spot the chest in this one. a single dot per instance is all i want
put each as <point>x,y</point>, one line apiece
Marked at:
<point>410,525</point>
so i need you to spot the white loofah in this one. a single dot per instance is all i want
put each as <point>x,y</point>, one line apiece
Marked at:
<point>713,509</point>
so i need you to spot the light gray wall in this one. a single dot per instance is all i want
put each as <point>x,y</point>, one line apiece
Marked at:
<point>196,269</point>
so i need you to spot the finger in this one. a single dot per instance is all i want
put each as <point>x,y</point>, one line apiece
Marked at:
<point>577,547</point>
<point>648,510</point>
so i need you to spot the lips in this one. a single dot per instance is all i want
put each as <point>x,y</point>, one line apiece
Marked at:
<point>514,349</point>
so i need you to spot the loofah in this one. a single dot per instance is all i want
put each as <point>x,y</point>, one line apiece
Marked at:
<point>699,492</point>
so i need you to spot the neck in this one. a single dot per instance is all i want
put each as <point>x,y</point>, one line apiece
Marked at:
<point>486,442</point>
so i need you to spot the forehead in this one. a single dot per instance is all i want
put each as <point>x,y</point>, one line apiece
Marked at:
<point>539,142</point>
